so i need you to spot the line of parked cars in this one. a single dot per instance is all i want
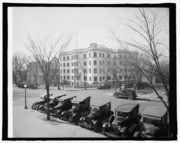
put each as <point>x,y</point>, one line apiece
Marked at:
<point>123,122</point>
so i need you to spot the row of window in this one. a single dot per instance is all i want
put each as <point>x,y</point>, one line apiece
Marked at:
<point>94,63</point>
<point>85,78</point>
<point>95,70</point>
<point>85,56</point>
<point>84,70</point>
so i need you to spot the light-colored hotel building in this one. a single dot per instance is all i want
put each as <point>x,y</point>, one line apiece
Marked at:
<point>94,60</point>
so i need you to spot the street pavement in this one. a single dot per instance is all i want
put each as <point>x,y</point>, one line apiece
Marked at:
<point>31,123</point>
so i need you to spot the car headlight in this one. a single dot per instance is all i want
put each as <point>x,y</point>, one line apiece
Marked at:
<point>82,118</point>
<point>119,128</point>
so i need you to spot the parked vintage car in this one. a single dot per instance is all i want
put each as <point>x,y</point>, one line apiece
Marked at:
<point>36,105</point>
<point>154,123</point>
<point>53,102</point>
<point>124,123</point>
<point>63,104</point>
<point>104,86</point>
<point>99,114</point>
<point>79,109</point>
<point>128,93</point>
<point>32,85</point>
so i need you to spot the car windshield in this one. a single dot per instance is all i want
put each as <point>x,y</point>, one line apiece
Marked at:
<point>74,106</point>
<point>118,113</point>
<point>152,121</point>
<point>60,103</point>
<point>94,109</point>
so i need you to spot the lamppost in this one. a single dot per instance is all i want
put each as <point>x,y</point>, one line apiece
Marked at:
<point>25,86</point>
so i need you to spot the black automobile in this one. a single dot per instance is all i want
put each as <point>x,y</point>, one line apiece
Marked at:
<point>36,105</point>
<point>124,123</point>
<point>104,86</point>
<point>63,104</point>
<point>128,93</point>
<point>79,109</point>
<point>154,123</point>
<point>53,102</point>
<point>99,114</point>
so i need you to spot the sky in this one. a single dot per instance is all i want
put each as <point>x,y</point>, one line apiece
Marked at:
<point>92,25</point>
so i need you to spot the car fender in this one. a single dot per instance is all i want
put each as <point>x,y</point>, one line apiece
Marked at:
<point>75,118</point>
<point>124,129</point>
<point>63,114</point>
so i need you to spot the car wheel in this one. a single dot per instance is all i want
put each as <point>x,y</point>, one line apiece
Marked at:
<point>63,115</point>
<point>33,106</point>
<point>97,126</point>
<point>75,119</point>
<point>130,97</point>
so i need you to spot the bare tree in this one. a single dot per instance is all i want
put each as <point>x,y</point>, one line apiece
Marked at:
<point>149,28</point>
<point>33,69</point>
<point>44,52</point>
<point>19,61</point>
<point>84,71</point>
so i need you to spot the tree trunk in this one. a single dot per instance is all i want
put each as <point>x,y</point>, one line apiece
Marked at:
<point>47,89</point>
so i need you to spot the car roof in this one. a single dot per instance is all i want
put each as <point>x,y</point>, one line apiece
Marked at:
<point>79,99</point>
<point>98,104</point>
<point>65,97</point>
<point>126,108</point>
<point>154,111</point>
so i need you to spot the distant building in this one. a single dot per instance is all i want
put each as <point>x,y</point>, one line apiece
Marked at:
<point>94,60</point>
<point>35,74</point>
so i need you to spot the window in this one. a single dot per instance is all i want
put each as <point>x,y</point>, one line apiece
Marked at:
<point>89,78</point>
<point>67,70</point>
<point>84,56</point>
<point>103,54</point>
<point>72,70</point>
<point>64,71</point>
<point>67,64</point>
<point>95,78</point>
<point>100,78</point>
<point>99,62</point>
<point>71,57</point>
<point>67,57</point>
<point>89,55</point>
<point>95,70</point>
<point>120,77</point>
<point>89,70</point>
<point>99,54</point>
<point>85,70</point>
<point>67,77</point>
<point>108,55</point>
<point>64,64</point>
<point>85,78</point>
<point>64,77</point>
<point>120,56</point>
<point>89,62</point>
<point>95,62</point>
<point>84,63</point>
<point>95,54</point>
<point>64,58</point>
<point>103,77</point>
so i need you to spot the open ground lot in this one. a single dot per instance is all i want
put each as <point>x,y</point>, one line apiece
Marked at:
<point>30,123</point>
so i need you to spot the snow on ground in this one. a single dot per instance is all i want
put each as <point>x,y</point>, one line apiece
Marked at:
<point>30,123</point>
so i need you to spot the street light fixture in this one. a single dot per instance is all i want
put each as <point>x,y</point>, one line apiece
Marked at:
<point>25,86</point>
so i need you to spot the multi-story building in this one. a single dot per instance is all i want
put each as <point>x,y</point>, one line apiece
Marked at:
<point>91,65</point>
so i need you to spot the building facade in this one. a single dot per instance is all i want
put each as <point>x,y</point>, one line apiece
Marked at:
<point>90,65</point>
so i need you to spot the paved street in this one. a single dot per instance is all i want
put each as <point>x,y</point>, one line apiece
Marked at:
<point>30,123</point>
